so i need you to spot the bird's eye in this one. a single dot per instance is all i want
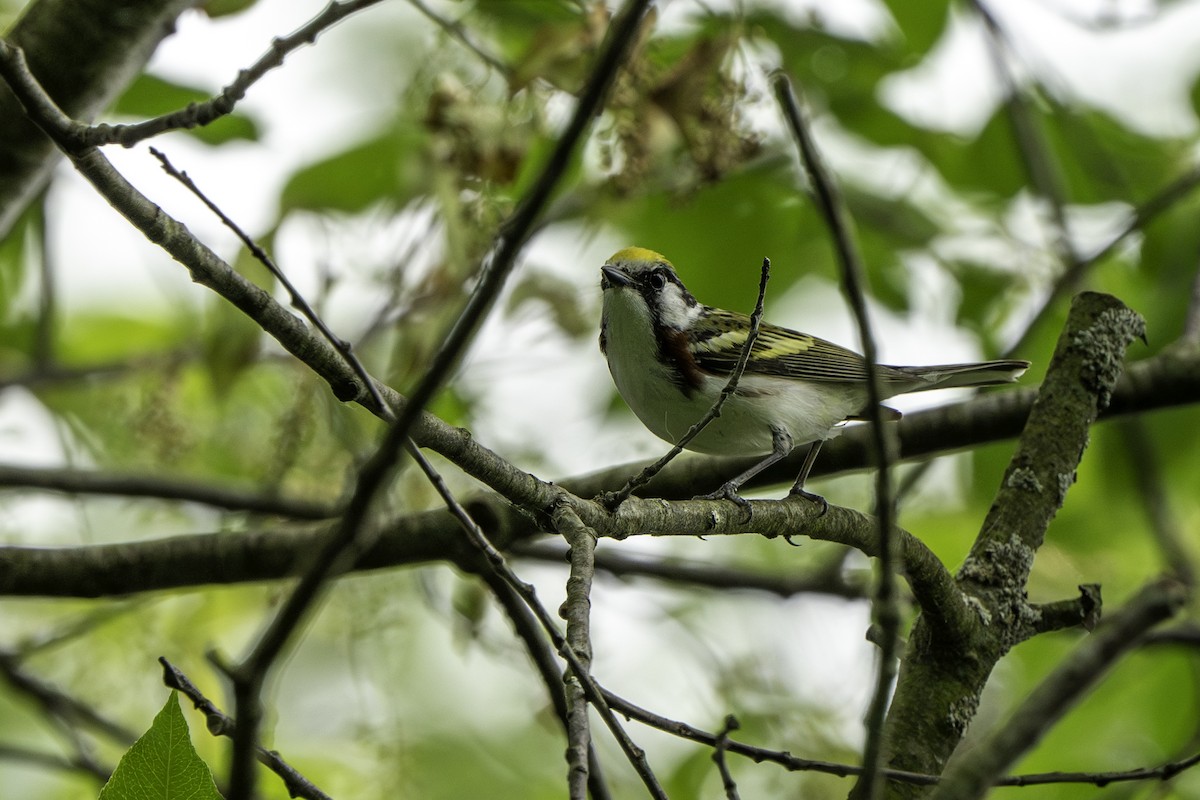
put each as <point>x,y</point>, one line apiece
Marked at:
<point>657,280</point>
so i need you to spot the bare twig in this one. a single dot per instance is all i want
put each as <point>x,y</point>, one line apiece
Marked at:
<point>74,481</point>
<point>794,763</point>
<point>220,724</point>
<point>297,300</point>
<point>1150,482</point>
<point>493,560</point>
<point>50,761</point>
<point>66,713</point>
<point>530,632</point>
<point>827,579</point>
<point>1191,323</point>
<point>457,31</point>
<point>1031,145</point>
<point>718,757</point>
<point>200,114</point>
<point>47,316</point>
<point>613,499</point>
<point>885,606</point>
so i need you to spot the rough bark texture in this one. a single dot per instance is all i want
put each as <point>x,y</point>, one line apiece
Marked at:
<point>944,671</point>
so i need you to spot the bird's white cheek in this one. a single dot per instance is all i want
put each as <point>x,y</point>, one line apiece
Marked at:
<point>674,311</point>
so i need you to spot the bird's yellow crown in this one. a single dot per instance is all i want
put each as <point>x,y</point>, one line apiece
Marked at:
<point>637,254</point>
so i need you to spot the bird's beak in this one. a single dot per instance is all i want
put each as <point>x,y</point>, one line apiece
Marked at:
<point>611,277</point>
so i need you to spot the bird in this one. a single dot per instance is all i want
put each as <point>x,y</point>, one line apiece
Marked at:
<point>670,356</point>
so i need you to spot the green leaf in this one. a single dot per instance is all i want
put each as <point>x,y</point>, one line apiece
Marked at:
<point>224,8</point>
<point>162,765</point>
<point>17,250</point>
<point>388,167</point>
<point>753,213</point>
<point>110,335</point>
<point>1103,160</point>
<point>150,96</point>
<point>921,24</point>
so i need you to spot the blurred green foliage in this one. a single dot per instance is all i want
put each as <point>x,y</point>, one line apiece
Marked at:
<point>689,159</point>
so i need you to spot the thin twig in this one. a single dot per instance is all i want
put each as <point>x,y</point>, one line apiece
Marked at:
<point>457,31</point>
<point>1032,147</point>
<point>794,763</point>
<point>295,298</point>
<point>612,500</point>
<point>1191,322</point>
<point>57,703</point>
<point>1139,218</point>
<point>495,561</point>
<point>718,757</point>
<point>47,315</point>
<point>200,114</point>
<point>1151,483</point>
<point>86,482</point>
<point>220,724</point>
<point>44,761</point>
<point>348,541</point>
<point>827,579</point>
<point>885,606</point>
<point>531,634</point>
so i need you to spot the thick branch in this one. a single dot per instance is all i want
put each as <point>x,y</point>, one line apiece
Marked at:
<point>974,773</point>
<point>1078,385</point>
<point>196,560</point>
<point>939,690</point>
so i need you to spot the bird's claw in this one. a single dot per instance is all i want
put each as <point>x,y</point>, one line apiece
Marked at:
<point>728,491</point>
<point>816,498</point>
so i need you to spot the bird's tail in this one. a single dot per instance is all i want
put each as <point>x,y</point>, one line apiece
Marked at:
<point>984,373</point>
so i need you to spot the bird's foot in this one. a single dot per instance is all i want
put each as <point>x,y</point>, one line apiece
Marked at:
<point>816,498</point>
<point>728,491</point>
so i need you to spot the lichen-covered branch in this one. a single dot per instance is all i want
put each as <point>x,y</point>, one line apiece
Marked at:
<point>974,773</point>
<point>939,690</point>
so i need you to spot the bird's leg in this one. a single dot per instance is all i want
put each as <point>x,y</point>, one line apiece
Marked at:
<point>781,445</point>
<point>810,458</point>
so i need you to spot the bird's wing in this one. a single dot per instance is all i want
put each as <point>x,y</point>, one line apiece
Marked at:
<point>777,351</point>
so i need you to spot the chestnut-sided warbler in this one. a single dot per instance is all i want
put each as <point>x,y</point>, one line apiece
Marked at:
<point>670,356</point>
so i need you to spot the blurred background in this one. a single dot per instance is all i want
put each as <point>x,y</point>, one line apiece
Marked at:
<point>985,154</point>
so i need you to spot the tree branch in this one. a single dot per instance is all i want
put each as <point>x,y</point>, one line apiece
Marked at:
<point>577,612</point>
<point>885,605</point>
<point>200,114</point>
<point>1168,379</point>
<point>972,774</point>
<point>86,482</point>
<point>939,690</point>
<point>221,724</point>
<point>117,45</point>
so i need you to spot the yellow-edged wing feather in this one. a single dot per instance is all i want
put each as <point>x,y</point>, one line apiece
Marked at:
<point>717,344</point>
